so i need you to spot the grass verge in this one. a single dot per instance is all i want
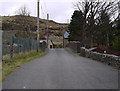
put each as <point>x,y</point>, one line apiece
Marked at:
<point>10,64</point>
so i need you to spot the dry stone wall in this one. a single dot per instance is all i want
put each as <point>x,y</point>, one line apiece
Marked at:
<point>105,58</point>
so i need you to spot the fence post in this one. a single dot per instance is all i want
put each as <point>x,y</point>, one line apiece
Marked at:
<point>11,47</point>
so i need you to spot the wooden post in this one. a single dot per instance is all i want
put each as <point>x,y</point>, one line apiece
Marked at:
<point>11,47</point>
<point>63,40</point>
<point>47,29</point>
<point>38,35</point>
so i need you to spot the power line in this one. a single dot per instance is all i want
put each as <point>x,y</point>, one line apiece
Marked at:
<point>42,12</point>
<point>45,6</point>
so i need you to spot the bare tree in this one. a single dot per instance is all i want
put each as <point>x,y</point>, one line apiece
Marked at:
<point>23,21</point>
<point>23,11</point>
<point>92,11</point>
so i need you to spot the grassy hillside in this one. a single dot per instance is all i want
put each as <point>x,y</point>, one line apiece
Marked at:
<point>10,23</point>
<point>26,26</point>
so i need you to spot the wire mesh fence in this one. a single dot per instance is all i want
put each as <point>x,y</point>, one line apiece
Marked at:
<point>15,45</point>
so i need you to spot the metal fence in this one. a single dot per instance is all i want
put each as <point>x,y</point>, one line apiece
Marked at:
<point>15,45</point>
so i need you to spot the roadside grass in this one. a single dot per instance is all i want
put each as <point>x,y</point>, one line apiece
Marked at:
<point>10,64</point>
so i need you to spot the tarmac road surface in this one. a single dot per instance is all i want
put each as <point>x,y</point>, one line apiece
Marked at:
<point>61,69</point>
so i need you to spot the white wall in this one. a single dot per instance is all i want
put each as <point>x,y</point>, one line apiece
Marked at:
<point>50,43</point>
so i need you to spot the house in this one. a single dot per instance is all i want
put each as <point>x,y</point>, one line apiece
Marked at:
<point>65,41</point>
<point>50,43</point>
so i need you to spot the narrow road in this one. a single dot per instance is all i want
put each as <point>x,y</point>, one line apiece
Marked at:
<point>61,69</point>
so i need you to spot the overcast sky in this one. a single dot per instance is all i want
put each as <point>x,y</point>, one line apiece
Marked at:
<point>59,10</point>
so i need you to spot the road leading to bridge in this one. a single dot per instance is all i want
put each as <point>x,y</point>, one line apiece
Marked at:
<point>60,69</point>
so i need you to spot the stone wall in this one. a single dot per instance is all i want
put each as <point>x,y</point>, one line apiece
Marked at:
<point>105,58</point>
<point>74,46</point>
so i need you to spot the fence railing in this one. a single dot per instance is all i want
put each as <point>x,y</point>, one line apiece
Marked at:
<point>15,45</point>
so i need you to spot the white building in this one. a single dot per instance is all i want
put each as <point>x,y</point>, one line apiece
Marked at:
<point>50,43</point>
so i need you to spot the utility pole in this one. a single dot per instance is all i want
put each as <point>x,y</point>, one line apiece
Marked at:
<point>63,40</point>
<point>47,28</point>
<point>62,29</point>
<point>1,46</point>
<point>38,35</point>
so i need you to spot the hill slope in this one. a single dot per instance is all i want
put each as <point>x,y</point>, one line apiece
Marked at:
<point>20,24</point>
<point>13,20</point>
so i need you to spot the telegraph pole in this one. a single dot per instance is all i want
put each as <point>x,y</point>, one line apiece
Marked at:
<point>38,26</point>
<point>62,29</point>
<point>47,28</point>
<point>63,40</point>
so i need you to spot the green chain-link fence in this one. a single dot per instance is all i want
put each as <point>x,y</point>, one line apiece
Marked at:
<point>14,45</point>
